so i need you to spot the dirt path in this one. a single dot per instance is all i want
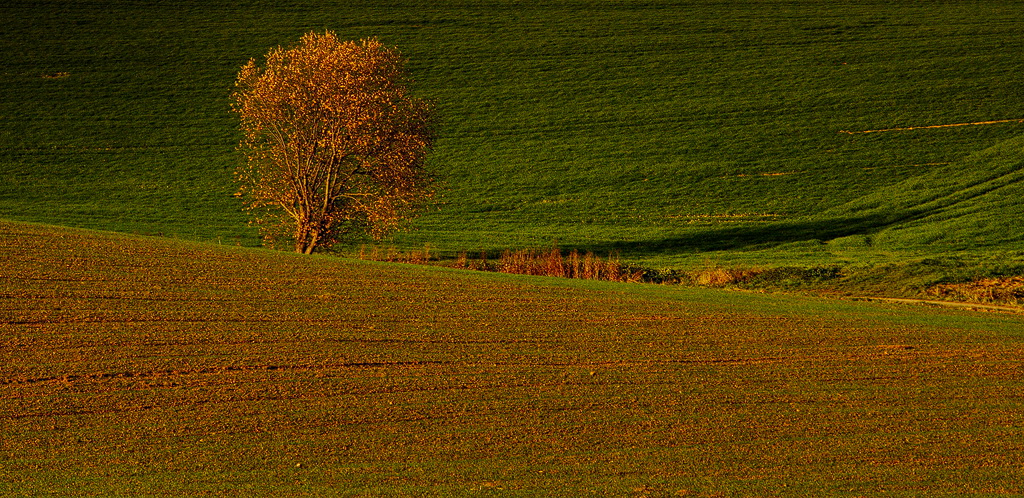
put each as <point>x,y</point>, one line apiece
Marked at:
<point>949,304</point>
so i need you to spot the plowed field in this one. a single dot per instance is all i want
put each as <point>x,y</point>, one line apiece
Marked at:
<point>148,366</point>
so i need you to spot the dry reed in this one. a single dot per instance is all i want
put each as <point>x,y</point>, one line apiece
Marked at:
<point>574,264</point>
<point>552,263</point>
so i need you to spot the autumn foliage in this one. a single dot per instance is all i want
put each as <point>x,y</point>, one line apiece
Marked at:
<point>334,143</point>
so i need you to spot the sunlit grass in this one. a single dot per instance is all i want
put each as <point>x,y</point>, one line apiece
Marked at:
<point>640,127</point>
<point>145,366</point>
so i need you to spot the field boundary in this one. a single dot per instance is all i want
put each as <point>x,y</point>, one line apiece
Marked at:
<point>975,123</point>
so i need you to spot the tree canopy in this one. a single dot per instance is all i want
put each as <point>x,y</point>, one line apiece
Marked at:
<point>334,142</point>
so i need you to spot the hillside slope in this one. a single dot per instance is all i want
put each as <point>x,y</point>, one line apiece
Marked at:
<point>664,128</point>
<point>976,201</point>
<point>136,366</point>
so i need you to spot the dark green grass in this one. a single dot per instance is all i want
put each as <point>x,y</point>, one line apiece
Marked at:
<point>151,367</point>
<point>672,131</point>
<point>966,204</point>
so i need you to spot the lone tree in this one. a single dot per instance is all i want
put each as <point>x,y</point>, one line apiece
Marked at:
<point>334,143</point>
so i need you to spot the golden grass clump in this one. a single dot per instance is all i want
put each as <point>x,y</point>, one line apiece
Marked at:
<point>720,277</point>
<point>1008,290</point>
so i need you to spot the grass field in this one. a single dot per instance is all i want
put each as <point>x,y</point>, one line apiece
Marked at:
<point>847,148</point>
<point>149,366</point>
<point>675,132</point>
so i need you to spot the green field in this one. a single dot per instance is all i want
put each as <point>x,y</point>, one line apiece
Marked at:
<point>149,347</point>
<point>156,367</point>
<point>674,132</point>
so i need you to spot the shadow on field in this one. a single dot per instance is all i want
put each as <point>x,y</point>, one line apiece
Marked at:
<point>754,237</point>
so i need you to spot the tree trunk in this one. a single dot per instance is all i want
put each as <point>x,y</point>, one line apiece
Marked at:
<point>302,245</point>
<point>306,240</point>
